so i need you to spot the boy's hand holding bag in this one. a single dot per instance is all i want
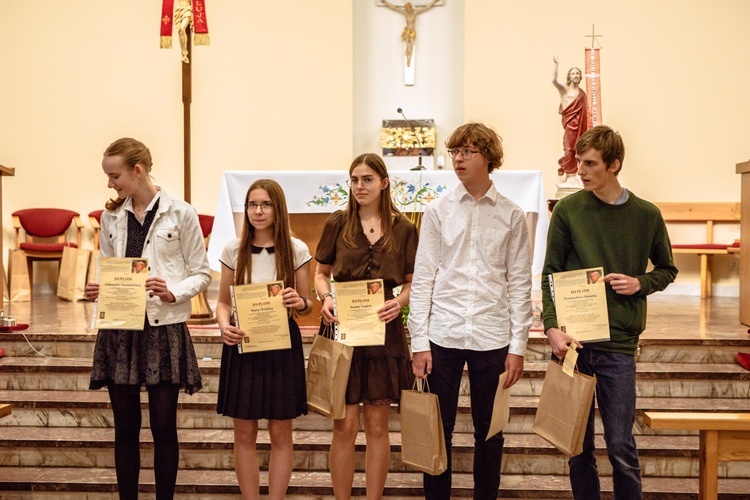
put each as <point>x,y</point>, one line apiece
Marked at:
<point>564,407</point>
<point>422,436</point>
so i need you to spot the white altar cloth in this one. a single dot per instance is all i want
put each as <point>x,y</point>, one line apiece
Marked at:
<point>325,191</point>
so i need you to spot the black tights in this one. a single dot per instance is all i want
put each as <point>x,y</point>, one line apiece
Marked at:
<point>162,411</point>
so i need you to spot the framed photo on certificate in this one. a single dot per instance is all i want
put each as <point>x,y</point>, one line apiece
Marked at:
<point>260,313</point>
<point>357,303</point>
<point>581,303</point>
<point>122,293</point>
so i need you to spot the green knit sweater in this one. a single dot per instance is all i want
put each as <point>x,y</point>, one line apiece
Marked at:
<point>586,232</point>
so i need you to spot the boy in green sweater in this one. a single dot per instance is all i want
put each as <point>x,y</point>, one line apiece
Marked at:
<point>605,225</point>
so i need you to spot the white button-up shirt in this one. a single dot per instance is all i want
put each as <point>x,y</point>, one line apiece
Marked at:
<point>472,279</point>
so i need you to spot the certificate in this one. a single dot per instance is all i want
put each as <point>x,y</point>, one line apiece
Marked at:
<point>581,302</point>
<point>259,311</point>
<point>357,303</point>
<point>122,293</point>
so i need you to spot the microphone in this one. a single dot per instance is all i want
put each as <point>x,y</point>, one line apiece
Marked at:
<point>413,131</point>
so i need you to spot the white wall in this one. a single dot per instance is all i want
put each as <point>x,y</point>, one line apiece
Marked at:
<point>379,87</point>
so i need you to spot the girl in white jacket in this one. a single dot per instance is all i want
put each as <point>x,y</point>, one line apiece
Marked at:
<point>145,222</point>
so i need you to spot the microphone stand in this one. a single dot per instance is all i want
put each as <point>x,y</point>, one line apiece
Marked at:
<point>416,136</point>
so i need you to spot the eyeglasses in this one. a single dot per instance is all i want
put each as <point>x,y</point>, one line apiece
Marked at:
<point>365,181</point>
<point>466,153</point>
<point>265,206</point>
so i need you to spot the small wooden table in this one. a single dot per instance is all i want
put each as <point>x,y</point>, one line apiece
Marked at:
<point>723,437</point>
<point>4,410</point>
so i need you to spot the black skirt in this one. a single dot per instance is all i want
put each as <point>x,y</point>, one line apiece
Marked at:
<point>267,384</point>
<point>152,356</point>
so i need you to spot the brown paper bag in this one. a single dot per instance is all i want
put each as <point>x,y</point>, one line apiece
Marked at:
<point>71,283</point>
<point>422,436</point>
<point>91,273</point>
<point>564,407</point>
<point>20,287</point>
<point>328,375</point>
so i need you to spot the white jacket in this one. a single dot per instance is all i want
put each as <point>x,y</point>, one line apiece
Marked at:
<point>175,251</point>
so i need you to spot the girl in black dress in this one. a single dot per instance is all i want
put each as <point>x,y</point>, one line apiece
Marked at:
<point>267,384</point>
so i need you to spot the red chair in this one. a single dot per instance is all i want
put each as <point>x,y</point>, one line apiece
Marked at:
<point>201,309</point>
<point>45,237</point>
<point>95,219</point>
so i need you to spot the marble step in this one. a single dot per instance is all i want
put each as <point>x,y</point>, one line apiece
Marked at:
<point>88,409</point>
<point>207,345</point>
<point>211,449</point>
<point>49,483</point>
<point>653,379</point>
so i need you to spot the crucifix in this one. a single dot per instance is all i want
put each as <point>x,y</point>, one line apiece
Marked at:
<point>409,34</point>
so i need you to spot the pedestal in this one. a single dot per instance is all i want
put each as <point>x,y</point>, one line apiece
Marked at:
<point>744,170</point>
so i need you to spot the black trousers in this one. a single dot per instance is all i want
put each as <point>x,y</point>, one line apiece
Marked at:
<point>484,368</point>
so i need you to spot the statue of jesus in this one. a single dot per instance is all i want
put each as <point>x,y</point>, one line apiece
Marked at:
<point>183,19</point>
<point>573,109</point>
<point>410,14</point>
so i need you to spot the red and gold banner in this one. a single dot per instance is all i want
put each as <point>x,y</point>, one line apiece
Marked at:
<point>593,87</point>
<point>200,23</point>
<point>167,8</point>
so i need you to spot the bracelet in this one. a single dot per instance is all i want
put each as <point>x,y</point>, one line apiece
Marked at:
<point>306,305</point>
<point>323,297</point>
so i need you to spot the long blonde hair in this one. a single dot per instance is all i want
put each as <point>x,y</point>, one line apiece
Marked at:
<point>386,208</point>
<point>133,153</point>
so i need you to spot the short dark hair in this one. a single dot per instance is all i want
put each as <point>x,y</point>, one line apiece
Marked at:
<point>481,137</point>
<point>606,141</point>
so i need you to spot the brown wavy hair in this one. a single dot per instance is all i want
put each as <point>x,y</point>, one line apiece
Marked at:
<point>386,209</point>
<point>282,237</point>
<point>133,153</point>
<point>481,137</point>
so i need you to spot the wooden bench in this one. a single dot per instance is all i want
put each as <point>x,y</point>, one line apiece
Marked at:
<point>709,214</point>
<point>724,437</point>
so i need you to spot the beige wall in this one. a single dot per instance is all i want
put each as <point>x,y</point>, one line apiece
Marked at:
<point>275,90</point>
<point>675,79</point>
<point>272,91</point>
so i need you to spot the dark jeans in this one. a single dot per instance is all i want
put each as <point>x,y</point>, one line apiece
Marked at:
<point>485,368</point>
<point>615,396</point>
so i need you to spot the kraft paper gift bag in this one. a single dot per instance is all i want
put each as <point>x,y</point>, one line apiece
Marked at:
<point>500,408</point>
<point>20,287</point>
<point>91,273</point>
<point>71,284</point>
<point>328,375</point>
<point>564,407</point>
<point>422,436</point>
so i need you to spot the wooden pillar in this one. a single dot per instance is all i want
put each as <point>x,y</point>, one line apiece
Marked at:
<point>744,170</point>
<point>4,171</point>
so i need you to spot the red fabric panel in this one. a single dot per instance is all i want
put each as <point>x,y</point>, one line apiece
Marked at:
<point>46,247</point>
<point>207,224</point>
<point>97,214</point>
<point>45,222</point>
<point>704,246</point>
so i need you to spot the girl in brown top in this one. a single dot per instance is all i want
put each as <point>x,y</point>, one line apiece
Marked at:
<point>370,239</point>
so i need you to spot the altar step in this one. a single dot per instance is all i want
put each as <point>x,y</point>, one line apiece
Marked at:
<point>208,346</point>
<point>693,380</point>
<point>206,449</point>
<point>45,483</point>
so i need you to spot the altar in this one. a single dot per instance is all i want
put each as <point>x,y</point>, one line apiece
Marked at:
<point>311,195</point>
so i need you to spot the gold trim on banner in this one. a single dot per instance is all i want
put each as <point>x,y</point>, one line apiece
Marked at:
<point>165,42</point>
<point>202,39</point>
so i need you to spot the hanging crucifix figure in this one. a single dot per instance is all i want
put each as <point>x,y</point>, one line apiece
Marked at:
<point>409,34</point>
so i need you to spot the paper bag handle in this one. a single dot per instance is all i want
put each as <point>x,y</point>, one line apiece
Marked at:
<point>418,384</point>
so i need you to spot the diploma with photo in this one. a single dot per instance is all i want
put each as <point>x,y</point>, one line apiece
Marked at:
<point>581,303</point>
<point>357,303</point>
<point>122,293</point>
<point>259,311</point>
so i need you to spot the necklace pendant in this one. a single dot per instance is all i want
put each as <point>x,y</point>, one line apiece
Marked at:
<point>372,230</point>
